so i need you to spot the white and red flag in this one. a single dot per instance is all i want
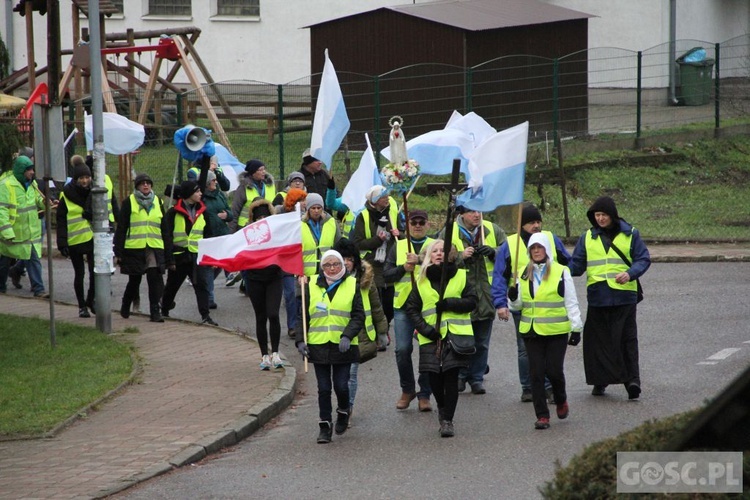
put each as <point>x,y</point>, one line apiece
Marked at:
<point>274,240</point>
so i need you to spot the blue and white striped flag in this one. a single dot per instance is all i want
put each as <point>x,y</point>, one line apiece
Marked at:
<point>331,123</point>
<point>365,177</point>
<point>497,170</point>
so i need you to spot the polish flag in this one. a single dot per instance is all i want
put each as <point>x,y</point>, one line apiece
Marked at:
<point>274,240</point>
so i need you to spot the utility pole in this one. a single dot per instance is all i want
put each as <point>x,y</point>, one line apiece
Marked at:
<point>102,235</point>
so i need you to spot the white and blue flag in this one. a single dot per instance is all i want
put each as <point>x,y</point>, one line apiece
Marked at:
<point>330,123</point>
<point>365,177</point>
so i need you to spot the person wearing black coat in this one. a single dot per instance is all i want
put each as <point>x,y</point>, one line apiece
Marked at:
<point>333,322</point>
<point>75,237</point>
<point>442,364</point>
<point>149,260</point>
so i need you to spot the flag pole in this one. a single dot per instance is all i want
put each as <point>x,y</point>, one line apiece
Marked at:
<point>304,316</point>
<point>518,244</point>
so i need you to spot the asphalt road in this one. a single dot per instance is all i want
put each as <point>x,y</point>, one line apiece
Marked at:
<point>691,312</point>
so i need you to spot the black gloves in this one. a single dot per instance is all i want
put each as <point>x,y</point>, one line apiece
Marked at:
<point>486,251</point>
<point>432,334</point>
<point>575,338</point>
<point>331,183</point>
<point>303,350</point>
<point>64,252</point>
<point>513,293</point>
<point>344,344</point>
<point>440,306</point>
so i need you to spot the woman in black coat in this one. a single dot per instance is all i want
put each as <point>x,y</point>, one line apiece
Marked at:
<point>436,358</point>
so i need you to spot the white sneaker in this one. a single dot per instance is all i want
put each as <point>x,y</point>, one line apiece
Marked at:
<point>233,278</point>
<point>265,363</point>
<point>276,360</point>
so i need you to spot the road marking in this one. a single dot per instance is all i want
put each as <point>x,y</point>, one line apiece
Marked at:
<point>708,362</point>
<point>724,354</point>
<point>746,342</point>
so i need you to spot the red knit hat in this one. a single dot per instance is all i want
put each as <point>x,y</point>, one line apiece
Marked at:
<point>293,196</point>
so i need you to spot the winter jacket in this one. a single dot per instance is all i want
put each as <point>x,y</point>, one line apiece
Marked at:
<point>20,202</point>
<point>216,201</point>
<point>368,245</point>
<point>133,261</point>
<point>239,199</point>
<point>368,348</point>
<point>81,197</point>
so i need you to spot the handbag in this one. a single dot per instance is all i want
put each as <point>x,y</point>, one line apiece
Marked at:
<point>639,288</point>
<point>462,345</point>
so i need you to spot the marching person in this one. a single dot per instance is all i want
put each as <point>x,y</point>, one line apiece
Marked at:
<point>375,233</point>
<point>222,182</point>
<point>139,246</point>
<point>291,302</point>
<point>502,278</point>
<point>442,363</point>
<point>186,226</point>
<point>75,236</point>
<point>613,256</point>
<point>400,265</point>
<point>295,180</point>
<point>549,311</point>
<point>218,216</point>
<point>20,225</point>
<point>335,315</point>
<point>316,176</point>
<point>255,181</point>
<point>264,287</point>
<point>319,233</point>
<point>476,240</point>
<point>375,322</point>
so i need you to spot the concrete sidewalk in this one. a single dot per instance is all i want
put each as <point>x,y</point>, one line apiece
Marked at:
<point>199,390</point>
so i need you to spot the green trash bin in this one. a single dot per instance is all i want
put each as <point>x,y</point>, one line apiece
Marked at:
<point>695,80</point>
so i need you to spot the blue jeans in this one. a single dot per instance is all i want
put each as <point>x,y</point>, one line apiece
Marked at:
<point>209,277</point>
<point>336,378</point>
<point>33,269</point>
<point>404,331</point>
<point>523,358</point>
<point>353,372</point>
<point>474,373</point>
<point>290,302</point>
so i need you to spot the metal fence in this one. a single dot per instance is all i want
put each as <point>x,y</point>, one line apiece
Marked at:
<point>599,92</point>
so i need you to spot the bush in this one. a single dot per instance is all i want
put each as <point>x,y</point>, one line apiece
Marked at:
<point>10,141</point>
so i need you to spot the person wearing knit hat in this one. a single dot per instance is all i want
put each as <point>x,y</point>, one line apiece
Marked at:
<point>75,235</point>
<point>335,316</point>
<point>254,181</point>
<point>375,233</point>
<point>186,225</point>
<point>222,182</point>
<point>316,177</point>
<point>502,277</point>
<point>375,320</point>
<point>218,216</point>
<point>614,257</point>
<point>320,232</point>
<point>139,242</point>
<point>295,181</point>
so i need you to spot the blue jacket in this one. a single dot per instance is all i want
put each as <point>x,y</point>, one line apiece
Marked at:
<point>503,270</point>
<point>600,294</point>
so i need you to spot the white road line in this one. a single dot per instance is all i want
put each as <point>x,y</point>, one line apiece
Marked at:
<point>746,342</point>
<point>724,354</point>
<point>708,362</point>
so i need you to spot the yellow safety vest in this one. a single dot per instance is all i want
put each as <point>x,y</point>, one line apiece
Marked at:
<point>329,318</point>
<point>523,254</point>
<point>459,323</point>
<point>347,224</point>
<point>489,240</point>
<point>110,190</point>
<point>79,229</point>
<point>311,251</point>
<point>392,215</point>
<point>604,266</point>
<point>369,325</point>
<point>402,288</point>
<point>182,239</point>
<point>546,310</point>
<point>250,194</point>
<point>21,227</point>
<point>145,227</point>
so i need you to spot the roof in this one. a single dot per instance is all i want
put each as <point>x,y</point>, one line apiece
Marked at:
<point>479,15</point>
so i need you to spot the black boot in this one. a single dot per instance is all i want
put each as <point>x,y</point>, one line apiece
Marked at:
<point>156,316</point>
<point>342,421</point>
<point>83,312</point>
<point>325,432</point>
<point>446,429</point>
<point>125,307</point>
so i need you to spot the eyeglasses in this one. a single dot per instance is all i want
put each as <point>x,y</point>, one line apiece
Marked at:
<point>331,265</point>
<point>418,222</point>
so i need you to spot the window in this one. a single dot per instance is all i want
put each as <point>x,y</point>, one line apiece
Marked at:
<point>238,7</point>
<point>118,5</point>
<point>169,7</point>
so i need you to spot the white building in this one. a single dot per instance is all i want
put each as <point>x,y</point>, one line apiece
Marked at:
<point>269,43</point>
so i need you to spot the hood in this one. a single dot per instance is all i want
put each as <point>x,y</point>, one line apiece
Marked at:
<point>540,239</point>
<point>245,179</point>
<point>20,165</point>
<point>603,204</point>
<point>366,276</point>
<point>257,203</point>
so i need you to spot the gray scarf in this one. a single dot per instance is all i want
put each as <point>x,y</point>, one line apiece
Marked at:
<point>146,201</point>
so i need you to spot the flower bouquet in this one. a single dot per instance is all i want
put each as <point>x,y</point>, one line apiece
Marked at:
<point>399,178</point>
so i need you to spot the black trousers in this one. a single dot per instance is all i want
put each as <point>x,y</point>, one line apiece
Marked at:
<point>445,389</point>
<point>77,258</point>
<point>187,265</point>
<point>610,345</point>
<point>266,299</point>
<point>386,299</point>
<point>546,358</point>
<point>155,282</point>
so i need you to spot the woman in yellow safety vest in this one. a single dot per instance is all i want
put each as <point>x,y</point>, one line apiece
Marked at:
<point>75,237</point>
<point>334,316</point>
<point>139,245</point>
<point>454,305</point>
<point>549,311</point>
<point>254,182</point>
<point>319,233</point>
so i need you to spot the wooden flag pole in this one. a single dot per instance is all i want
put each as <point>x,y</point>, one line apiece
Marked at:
<point>304,316</point>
